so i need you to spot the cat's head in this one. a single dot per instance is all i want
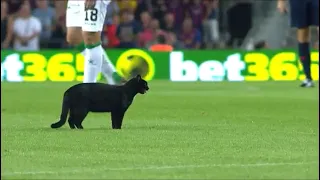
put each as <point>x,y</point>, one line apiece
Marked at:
<point>139,84</point>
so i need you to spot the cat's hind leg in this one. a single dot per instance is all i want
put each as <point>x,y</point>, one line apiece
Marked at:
<point>81,115</point>
<point>71,123</point>
<point>72,118</point>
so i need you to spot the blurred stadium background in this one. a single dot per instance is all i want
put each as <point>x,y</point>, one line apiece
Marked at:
<point>180,130</point>
<point>221,24</point>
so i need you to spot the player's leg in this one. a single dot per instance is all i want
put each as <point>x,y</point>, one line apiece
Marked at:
<point>315,15</point>
<point>107,68</point>
<point>299,19</point>
<point>312,19</point>
<point>303,37</point>
<point>74,25</point>
<point>74,37</point>
<point>99,61</point>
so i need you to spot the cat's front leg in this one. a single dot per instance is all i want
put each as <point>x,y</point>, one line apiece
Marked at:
<point>116,119</point>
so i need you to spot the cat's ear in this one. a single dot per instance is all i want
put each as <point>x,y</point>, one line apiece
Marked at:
<point>138,77</point>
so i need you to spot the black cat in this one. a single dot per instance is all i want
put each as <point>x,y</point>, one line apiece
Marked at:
<point>83,98</point>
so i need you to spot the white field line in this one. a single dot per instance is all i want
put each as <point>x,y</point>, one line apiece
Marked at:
<point>83,170</point>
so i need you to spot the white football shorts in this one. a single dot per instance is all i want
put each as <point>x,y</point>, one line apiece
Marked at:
<point>91,20</point>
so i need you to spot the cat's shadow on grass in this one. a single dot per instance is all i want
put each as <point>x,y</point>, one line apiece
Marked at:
<point>128,128</point>
<point>148,128</point>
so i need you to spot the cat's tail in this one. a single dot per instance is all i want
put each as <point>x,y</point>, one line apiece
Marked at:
<point>64,113</point>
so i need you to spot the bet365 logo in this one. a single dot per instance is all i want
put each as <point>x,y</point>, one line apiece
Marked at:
<point>11,67</point>
<point>249,66</point>
<point>210,70</point>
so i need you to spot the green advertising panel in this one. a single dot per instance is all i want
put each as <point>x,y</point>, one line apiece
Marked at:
<point>229,65</point>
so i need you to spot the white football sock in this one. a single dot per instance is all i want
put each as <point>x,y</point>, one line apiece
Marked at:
<point>107,68</point>
<point>83,53</point>
<point>93,63</point>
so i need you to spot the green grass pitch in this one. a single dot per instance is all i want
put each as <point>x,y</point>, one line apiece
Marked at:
<point>260,130</point>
